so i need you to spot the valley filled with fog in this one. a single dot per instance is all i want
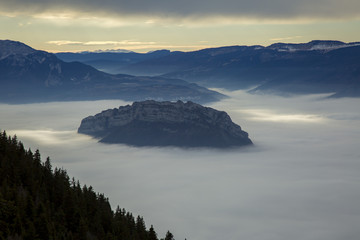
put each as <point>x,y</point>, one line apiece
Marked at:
<point>300,180</point>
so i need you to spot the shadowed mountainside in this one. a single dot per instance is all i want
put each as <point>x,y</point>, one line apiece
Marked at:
<point>28,75</point>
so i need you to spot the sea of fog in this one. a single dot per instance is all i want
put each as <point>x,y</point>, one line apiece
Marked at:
<point>300,180</point>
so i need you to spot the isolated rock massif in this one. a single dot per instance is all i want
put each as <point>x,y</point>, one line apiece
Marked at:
<point>152,123</point>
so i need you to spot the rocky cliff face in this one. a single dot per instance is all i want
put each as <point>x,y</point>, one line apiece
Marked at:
<point>151,123</point>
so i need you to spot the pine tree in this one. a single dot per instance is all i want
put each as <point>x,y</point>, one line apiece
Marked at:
<point>169,236</point>
<point>152,234</point>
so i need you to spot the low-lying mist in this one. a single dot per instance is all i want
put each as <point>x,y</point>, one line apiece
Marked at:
<point>300,180</point>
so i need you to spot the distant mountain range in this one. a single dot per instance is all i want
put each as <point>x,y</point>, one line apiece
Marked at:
<point>111,61</point>
<point>29,75</point>
<point>281,68</point>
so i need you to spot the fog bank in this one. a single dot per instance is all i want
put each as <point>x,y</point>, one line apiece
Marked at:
<point>299,181</point>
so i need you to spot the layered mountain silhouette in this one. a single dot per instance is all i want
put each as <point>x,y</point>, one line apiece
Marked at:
<point>111,61</point>
<point>281,68</point>
<point>29,75</point>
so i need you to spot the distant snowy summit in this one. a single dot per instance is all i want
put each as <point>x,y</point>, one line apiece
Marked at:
<point>8,48</point>
<point>316,45</point>
<point>152,123</point>
<point>107,51</point>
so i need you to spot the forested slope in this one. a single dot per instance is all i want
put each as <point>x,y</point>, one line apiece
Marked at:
<point>38,202</point>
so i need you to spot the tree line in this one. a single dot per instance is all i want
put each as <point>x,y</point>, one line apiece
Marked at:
<point>39,202</point>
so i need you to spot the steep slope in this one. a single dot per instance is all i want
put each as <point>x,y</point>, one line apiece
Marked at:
<point>39,202</point>
<point>28,75</point>
<point>152,123</point>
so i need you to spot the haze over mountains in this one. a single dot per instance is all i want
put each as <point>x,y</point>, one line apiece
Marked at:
<point>302,173</point>
<point>111,61</point>
<point>282,68</point>
<point>29,75</point>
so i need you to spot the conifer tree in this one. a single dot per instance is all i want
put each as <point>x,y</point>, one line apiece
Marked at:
<point>169,236</point>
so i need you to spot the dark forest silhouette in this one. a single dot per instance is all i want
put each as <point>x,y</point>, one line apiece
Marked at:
<point>39,202</point>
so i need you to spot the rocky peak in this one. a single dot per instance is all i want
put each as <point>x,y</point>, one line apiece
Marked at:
<point>8,47</point>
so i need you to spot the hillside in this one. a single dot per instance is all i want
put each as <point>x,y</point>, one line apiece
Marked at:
<point>39,202</point>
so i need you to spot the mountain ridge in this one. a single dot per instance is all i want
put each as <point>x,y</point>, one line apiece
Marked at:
<point>29,75</point>
<point>314,67</point>
<point>319,66</point>
<point>8,47</point>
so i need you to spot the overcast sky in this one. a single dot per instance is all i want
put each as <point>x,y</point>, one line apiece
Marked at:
<point>143,25</point>
<point>300,181</point>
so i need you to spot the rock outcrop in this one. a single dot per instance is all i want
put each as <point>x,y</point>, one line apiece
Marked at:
<point>152,123</point>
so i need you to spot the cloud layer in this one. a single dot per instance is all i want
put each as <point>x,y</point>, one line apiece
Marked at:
<point>100,43</point>
<point>256,9</point>
<point>299,182</point>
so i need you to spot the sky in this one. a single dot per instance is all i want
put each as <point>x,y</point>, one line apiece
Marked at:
<point>299,181</point>
<point>147,25</point>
